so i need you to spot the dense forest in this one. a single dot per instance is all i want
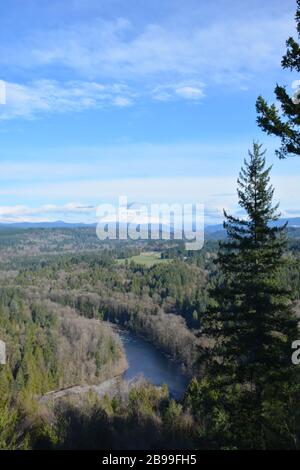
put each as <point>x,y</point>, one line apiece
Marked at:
<point>55,317</point>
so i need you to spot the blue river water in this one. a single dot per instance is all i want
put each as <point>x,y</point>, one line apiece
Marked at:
<point>145,359</point>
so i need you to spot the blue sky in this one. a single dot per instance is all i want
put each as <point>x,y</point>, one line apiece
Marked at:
<point>154,100</point>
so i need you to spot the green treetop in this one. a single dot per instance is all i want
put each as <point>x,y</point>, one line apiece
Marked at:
<point>284,121</point>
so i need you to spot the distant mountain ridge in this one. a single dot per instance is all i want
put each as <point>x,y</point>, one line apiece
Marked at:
<point>293,222</point>
<point>55,224</point>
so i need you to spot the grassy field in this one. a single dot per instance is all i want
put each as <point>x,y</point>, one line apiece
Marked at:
<point>147,258</point>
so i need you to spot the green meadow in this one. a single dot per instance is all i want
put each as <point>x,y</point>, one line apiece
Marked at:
<point>149,258</point>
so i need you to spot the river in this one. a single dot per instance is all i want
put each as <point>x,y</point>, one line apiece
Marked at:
<point>144,359</point>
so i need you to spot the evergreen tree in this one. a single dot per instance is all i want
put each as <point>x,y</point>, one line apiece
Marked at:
<point>284,123</point>
<point>251,324</point>
<point>8,426</point>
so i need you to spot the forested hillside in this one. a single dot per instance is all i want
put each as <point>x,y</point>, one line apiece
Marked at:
<point>54,317</point>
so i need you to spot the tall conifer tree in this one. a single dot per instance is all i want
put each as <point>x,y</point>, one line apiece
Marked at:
<point>253,320</point>
<point>250,325</point>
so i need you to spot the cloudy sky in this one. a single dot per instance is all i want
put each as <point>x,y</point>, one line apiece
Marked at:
<point>154,100</point>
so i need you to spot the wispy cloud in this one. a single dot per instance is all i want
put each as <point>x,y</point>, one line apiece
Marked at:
<point>189,90</point>
<point>81,213</point>
<point>45,213</point>
<point>224,49</point>
<point>132,159</point>
<point>116,62</point>
<point>47,96</point>
<point>147,191</point>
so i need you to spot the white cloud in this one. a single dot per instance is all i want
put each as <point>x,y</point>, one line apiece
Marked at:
<point>156,191</point>
<point>45,213</point>
<point>122,101</point>
<point>52,96</point>
<point>125,159</point>
<point>189,90</point>
<point>227,49</point>
<point>146,190</point>
<point>167,60</point>
<point>48,96</point>
<point>132,159</point>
